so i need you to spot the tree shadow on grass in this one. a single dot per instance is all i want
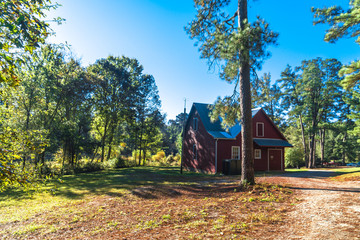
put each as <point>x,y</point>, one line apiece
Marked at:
<point>119,181</point>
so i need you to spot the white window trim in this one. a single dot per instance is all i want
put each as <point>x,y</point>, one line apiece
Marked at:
<point>257,133</point>
<point>259,151</point>
<point>232,152</point>
<point>196,124</point>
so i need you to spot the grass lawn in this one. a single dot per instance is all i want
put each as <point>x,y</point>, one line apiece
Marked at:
<point>144,203</point>
<point>347,174</point>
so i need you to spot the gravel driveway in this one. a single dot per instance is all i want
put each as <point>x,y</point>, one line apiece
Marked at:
<point>326,209</point>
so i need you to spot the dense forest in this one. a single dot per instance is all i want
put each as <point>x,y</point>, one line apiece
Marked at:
<point>58,117</point>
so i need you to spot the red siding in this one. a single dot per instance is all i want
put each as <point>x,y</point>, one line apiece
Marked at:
<point>205,147</point>
<point>224,150</point>
<point>261,164</point>
<point>270,130</point>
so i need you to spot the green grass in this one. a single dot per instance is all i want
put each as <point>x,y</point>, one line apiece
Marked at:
<point>296,170</point>
<point>346,170</point>
<point>16,205</point>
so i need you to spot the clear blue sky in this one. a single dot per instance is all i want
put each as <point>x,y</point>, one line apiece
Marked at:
<point>152,31</point>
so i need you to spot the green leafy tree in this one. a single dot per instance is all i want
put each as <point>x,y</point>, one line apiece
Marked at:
<point>148,119</point>
<point>172,132</point>
<point>343,23</point>
<point>238,47</point>
<point>267,96</point>
<point>112,96</point>
<point>312,93</point>
<point>75,111</point>
<point>22,29</point>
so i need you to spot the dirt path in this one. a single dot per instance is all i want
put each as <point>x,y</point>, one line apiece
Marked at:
<point>326,209</point>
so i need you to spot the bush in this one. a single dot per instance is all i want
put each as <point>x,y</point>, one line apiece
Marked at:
<point>294,157</point>
<point>89,167</point>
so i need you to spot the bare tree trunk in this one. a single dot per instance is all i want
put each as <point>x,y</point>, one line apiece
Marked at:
<point>304,141</point>
<point>247,170</point>
<point>103,139</point>
<point>322,145</point>
<point>95,152</point>
<point>110,148</point>
<point>344,150</point>
<point>312,145</point>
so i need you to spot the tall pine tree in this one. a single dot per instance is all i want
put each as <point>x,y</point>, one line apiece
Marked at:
<point>238,47</point>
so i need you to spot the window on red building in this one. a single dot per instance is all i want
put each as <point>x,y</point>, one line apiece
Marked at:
<point>259,129</point>
<point>194,151</point>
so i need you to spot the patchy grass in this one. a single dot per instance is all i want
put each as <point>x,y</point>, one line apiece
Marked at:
<point>143,203</point>
<point>296,170</point>
<point>354,176</point>
<point>345,169</point>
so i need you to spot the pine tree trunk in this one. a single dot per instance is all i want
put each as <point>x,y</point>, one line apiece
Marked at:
<point>304,141</point>
<point>247,170</point>
<point>322,145</point>
<point>312,145</point>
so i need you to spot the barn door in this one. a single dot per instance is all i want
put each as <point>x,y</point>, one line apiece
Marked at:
<point>275,160</point>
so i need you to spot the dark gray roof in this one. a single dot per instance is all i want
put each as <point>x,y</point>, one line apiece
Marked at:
<point>215,128</point>
<point>272,142</point>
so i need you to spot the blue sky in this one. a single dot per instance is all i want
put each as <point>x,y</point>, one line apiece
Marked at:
<point>152,31</point>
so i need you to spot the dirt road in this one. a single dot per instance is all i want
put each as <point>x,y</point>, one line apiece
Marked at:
<point>326,209</point>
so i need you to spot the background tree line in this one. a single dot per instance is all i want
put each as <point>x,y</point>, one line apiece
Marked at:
<point>64,112</point>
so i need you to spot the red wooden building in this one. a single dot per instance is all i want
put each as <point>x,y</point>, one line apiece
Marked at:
<point>207,144</point>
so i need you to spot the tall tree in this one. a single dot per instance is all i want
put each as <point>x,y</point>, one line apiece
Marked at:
<point>313,93</point>
<point>148,118</point>
<point>112,95</point>
<point>228,39</point>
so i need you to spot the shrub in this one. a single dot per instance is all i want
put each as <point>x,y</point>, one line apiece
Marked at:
<point>89,167</point>
<point>294,157</point>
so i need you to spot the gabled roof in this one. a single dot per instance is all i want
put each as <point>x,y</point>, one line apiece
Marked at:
<point>214,128</point>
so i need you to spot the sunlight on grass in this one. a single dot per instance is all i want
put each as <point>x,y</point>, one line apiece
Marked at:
<point>296,170</point>
<point>346,170</point>
<point>354,176</point>
<point>16,205</point>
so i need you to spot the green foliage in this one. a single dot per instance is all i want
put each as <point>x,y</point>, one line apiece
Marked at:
<point>88,167</point>
<point>229,44</point>
<point>294,157</point>
<point>22,30</point>
<point>268,96</point>
<point>313,96</point>
<point>343,23</point>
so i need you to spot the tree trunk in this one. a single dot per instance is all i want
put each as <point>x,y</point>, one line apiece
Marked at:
<point>312,145</point>
<point>311,150</point>
<point>247,170</point>
<point>103,139</point>
<point>344,150</point>
<point>304,141</point>
<point>322,145</point>
<point>95,152</point>
<point>110,148</point>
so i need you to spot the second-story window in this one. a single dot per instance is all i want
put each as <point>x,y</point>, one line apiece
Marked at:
<point>194,152</point>
<point>259,129</point>
<point>195,124</point>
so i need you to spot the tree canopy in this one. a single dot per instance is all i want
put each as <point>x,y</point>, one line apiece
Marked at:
<point>22,29</point>
<point>343,23</point>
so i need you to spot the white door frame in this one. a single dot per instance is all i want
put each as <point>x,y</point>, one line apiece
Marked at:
<point>281,157</point>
